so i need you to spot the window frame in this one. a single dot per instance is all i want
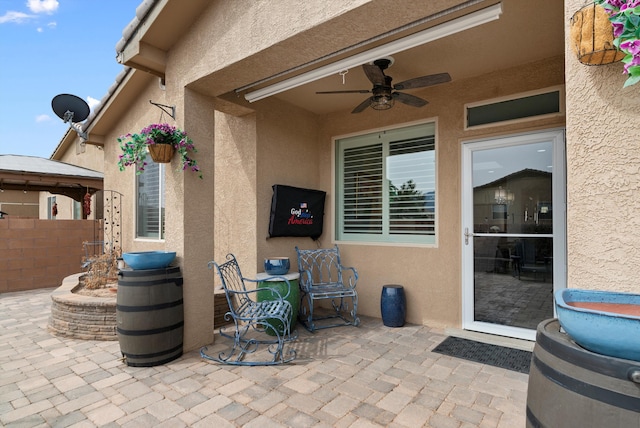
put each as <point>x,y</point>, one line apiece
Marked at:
<point>77,210</point>
<point>426,128</point>
<point>161,208</point>
<point>516,97</point>
<point>51,200</point>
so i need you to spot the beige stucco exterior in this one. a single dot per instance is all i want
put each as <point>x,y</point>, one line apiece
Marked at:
<point>71,151</point>
<point>243,149</point>
<point>603,179</point>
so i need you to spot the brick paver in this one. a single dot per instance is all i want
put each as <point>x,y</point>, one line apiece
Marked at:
<point>370,376</point>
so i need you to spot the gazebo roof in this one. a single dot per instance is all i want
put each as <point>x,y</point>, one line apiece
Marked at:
<point>32,173</point>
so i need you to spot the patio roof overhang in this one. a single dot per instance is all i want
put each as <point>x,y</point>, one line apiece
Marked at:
<point>73,187</point>
<point>515,39</point>
<point>33,174</point>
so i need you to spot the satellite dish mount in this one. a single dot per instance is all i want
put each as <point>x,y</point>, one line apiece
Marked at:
<point>73,110</point>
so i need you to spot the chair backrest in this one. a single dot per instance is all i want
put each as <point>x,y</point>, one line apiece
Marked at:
<point>232,281</point>
<point>323,265</point>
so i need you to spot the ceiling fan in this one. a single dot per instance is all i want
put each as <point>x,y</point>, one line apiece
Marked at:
<point>384,93</point>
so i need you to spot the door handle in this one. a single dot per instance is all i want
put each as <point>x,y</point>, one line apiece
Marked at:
<point>467,235</point>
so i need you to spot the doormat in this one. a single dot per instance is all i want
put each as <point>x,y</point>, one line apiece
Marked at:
<point>494,355</point>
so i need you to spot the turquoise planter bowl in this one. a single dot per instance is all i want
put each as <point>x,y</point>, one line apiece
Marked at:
<point>149,259</point>
<point>607,333</point>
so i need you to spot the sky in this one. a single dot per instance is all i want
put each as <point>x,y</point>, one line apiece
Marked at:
<point>51,47</point>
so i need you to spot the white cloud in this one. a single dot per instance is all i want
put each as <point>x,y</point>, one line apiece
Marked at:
<point>92,102</point>
<point>43,6</point>
<point>52,25</point>
<point>43,118</point>
<point>39,30</point>
<point>15,17</point>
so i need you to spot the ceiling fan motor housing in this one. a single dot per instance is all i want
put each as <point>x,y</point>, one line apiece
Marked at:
<point>383,96</point>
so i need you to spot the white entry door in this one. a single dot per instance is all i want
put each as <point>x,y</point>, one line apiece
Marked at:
<point>513,224</point>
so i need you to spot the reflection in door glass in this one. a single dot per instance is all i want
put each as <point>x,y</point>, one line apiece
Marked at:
<point>513,227</point>
<point>513,280</point>
<point>512,189</point>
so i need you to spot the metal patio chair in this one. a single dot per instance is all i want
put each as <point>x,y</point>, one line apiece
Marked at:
<point>260,316</point>
<point>322,277</point>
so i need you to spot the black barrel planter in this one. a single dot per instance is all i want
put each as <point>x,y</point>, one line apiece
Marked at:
<point>393,305</point>
<point>572,387</point>
<point>150,316</point>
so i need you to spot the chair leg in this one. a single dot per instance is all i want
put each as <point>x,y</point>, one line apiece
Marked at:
<point>340,310</point>
<point>354,312</point>
<point>305,314</point>
<point>243,346</point>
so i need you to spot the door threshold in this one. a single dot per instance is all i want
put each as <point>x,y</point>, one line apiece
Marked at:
<point>491,339</point>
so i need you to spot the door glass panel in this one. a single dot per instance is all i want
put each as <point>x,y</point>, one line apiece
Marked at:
<point>513,241</point>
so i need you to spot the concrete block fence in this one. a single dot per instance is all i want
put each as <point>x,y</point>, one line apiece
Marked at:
<point>41,253</point>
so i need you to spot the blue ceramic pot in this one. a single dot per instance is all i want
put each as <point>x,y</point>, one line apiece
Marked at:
<point>277,265</point>
<point>149,259</point>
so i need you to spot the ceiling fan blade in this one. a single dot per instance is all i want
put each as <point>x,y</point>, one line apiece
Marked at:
<point>374,74</point>
<point>362,106</point>
<point>421,82</point>
<point>410,100</point>
<point>355,91</point>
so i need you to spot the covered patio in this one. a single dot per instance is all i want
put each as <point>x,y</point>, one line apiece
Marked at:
<point>362,377</point>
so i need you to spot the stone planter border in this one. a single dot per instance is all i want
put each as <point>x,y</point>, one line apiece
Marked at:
<point>81,317</point>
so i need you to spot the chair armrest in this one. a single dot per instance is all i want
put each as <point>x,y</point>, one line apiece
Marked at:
<point>353,277</point>
<point>306,280</point>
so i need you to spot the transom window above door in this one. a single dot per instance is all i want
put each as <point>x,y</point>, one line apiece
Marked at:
<point>386,186</point>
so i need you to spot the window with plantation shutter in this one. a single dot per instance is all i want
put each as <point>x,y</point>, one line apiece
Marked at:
<point>150,201</point>
<point>386,186</point>
<point>362,190</point>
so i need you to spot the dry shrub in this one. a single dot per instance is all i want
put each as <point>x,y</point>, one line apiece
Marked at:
<point>103,269</point>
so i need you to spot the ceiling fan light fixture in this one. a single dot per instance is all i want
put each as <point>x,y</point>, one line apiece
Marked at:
<point>382,102</point>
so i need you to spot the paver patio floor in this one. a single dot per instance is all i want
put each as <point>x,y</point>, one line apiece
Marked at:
<point>368,376</point>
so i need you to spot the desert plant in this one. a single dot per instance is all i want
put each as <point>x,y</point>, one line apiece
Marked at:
<point>103,269</point>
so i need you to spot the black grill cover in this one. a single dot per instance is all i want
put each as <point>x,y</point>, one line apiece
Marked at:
<point>296,212</point>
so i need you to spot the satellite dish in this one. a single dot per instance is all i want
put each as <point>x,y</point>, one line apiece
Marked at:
<point>72,109</point>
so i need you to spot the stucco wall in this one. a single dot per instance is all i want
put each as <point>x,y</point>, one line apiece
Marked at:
<point>288,150</point>
<point>603,178</point>
<point>136,116</point>
<point>431,275</point>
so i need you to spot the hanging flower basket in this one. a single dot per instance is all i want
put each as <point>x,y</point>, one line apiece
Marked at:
<point>624,16</point>
<point>160,140</point>
<point>592,36</point>
<point>161,153</point>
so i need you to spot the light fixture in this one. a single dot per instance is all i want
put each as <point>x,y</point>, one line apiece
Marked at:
<point>448,28</point>
<point>382,102</point>
<point>503,196</point>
